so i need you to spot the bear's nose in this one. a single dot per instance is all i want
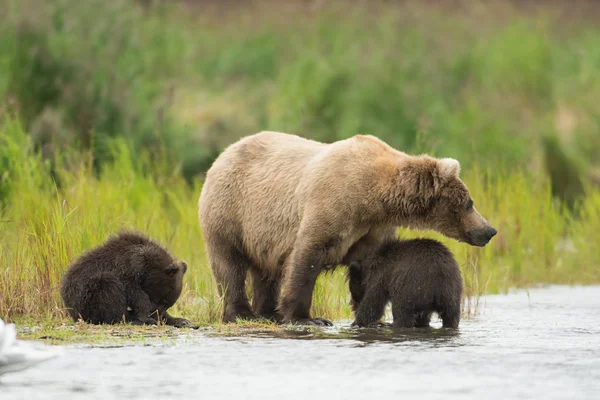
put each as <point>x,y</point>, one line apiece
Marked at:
<point>481,237</point>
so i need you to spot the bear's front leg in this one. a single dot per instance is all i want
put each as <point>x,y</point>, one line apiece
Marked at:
<point>356,285</point>
<point>372,307</point>
<point>143,310</point>
<point>298,285</point>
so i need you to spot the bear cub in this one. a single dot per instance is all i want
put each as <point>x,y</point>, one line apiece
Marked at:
<point>128,278</point>
<point>418,276</point>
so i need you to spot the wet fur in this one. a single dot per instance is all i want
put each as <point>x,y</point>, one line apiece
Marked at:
<point>129,278</point>
<point>283,208</point>
<point>419,277</point>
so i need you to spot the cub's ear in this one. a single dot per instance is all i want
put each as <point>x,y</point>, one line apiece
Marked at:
<point>183,266</point>
<point>448,168</point>
<point>172,269</point>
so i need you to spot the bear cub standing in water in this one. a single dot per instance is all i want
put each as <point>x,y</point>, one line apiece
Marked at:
<point>129,277</point>
<point>418,276</point>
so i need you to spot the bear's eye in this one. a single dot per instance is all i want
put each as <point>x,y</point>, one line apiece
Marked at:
<point>469,205</point>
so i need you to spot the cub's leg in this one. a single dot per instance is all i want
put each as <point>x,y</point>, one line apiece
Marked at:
<point>422,319</point>
<point>451,316</point>
<point>372,307</point>
<point>230,266</point>
<point>143,310</point>
<point>104,300</point>
<point>265,293</point>
<point>356,285</point>
<point>404,317</point>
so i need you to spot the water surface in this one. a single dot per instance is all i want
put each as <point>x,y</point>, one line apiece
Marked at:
<point>542,344</point>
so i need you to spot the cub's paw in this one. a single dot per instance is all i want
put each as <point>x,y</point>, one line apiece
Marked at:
<point>313,322</point>
<point>380,324</point>
<point>144,321</point>
<point>377,324</point>
<point>181,323</point>
<point>322,322</point>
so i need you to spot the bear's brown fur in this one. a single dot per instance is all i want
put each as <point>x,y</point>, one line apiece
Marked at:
<point>128,278</point>
<point>284,208</point>
<point>418,276</point>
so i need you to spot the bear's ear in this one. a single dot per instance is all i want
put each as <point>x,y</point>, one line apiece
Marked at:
<point>183,266</point>
<point>420,176</point>
<point>448,168</point>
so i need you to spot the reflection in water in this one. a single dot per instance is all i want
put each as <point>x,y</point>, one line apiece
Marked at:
<point>364,335</point>
<point>543,344</point>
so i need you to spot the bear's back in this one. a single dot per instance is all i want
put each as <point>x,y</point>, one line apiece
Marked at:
<point>259,189</point>
<point>111,255</point>
<point>423,263</point>
<point>250,193</point>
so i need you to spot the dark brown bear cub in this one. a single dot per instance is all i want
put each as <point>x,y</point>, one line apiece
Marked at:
<point>418,276</point>
<point>128,278</point>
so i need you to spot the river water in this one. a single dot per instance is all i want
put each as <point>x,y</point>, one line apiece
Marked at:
<point>536,344</point>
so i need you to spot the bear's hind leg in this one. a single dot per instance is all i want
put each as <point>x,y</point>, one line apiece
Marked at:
<point>451,317</point>
<point>403,317</point>
<point>265,293</point>
<point>230,267</point>
<point>106,302</point>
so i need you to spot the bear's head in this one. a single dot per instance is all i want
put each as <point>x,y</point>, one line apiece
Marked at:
<point>162,279</point>
<point>432,196</point>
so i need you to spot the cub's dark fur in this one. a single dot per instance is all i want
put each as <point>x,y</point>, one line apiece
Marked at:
<point>418,276</point>
<point>128,278</point>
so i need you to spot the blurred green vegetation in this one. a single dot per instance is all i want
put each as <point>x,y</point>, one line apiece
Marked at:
<point>484,84</point>
<point>112,111</point>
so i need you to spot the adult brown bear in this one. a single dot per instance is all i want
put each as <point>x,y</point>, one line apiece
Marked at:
<point>284,208</point>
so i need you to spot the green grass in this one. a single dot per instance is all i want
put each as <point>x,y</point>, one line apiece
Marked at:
<point>44,228</point>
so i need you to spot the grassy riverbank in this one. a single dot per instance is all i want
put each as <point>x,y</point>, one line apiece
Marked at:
<point>44,227</point>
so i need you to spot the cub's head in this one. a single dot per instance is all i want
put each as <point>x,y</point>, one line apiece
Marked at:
<point>432,196</point>
<point>162,276</point>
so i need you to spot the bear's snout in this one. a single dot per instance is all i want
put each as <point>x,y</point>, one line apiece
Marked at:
<point>481,237</point>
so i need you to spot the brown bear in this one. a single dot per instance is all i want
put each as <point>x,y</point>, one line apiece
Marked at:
<point>418,276</point>
<point>128,278</point>
<point>284,208</point>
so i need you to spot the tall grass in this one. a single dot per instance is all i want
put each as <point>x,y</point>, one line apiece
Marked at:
<point>43,228</point>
